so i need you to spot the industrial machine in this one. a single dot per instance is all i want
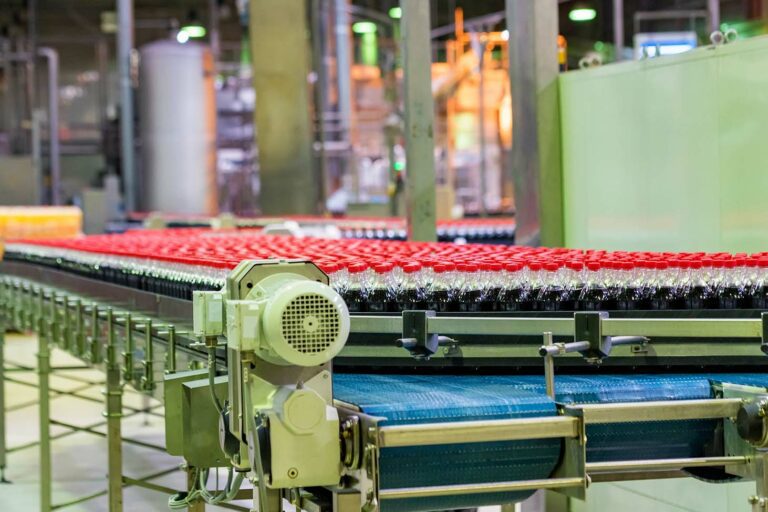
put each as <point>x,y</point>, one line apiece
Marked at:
<point>265,372</point>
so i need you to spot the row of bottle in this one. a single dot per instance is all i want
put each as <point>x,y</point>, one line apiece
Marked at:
<point>173,280</point>
<point>377,276</point>
<point>553,286</point>
<point>468,234</point>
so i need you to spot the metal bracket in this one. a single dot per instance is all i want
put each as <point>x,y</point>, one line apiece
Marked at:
<point>416,336</point>
<point>589,340</point>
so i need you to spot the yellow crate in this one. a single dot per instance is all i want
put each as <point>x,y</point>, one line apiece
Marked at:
<point>40,222</point>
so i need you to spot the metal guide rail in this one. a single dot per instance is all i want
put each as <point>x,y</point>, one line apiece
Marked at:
<point>499,341</point>
<point>138,349</point>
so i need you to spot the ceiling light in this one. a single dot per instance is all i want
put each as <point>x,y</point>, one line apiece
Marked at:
<point>194,31</point>
<point>364,27</point>
<point>582,14</point>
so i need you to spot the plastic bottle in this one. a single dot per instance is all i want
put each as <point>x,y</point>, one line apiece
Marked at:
<point>354,295</point>
<point>699,291</point>
<point>440,294</point>
<point>535,278</point>
<point>593,291</point>
<point>759,292</point>
<point>574,281</point>
<point>378,290</point>
<point>410,292</point>
<point>513,289</point>
<point>467,287</point>
<point>663,291</point>
<point>552,291</point>
<point>490,285</point>
<point>732,292</point>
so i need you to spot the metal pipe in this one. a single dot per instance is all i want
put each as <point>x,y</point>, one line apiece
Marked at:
<point>596,414</point>
<point>481,127</point>
<point>343,68</point>
<point>36,152</point>
<point>54,156</point>
<point>419,121</point>
<point>478,431</point>
<point>7,84</point>
<point>3,446</point>
<point>31,83</point>
<point>563,348</point>
<point>319,20</point>
<point>628,340</point>
<point>214,36</point>
<point>102,60</point>
<point>663,464</point>
<point>713,10</point>
<point>489,487</point>
<point>618,29</point>
<point>549,367</point>
<point>124,49</point>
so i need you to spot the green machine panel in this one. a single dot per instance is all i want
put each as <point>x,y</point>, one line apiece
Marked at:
<point>668,153</point>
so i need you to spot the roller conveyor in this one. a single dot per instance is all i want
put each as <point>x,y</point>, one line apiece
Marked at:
<point>457,425</point>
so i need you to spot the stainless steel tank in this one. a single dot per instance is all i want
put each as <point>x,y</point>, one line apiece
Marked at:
<point>177,128</point>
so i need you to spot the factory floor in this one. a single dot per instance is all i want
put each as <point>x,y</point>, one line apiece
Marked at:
<point>80,459</point>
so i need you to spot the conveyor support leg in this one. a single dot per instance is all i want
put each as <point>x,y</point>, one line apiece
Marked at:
<point>114,414</point>
<point>199,505</point>
<point>44,370</point>
<point>759,501</point>
<point>3,456</point>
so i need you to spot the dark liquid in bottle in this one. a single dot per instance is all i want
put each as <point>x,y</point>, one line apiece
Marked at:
<point>377,300</point>
<point>354,301</point>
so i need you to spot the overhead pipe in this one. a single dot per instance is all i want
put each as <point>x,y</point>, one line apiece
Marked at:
<point>52,58</point>
<point>54,156</point>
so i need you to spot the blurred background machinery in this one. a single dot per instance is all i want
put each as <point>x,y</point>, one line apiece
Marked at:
<point>347,110</point>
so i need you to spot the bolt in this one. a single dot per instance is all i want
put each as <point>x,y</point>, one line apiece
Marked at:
<point>293,473</point>
<point>753,500</point>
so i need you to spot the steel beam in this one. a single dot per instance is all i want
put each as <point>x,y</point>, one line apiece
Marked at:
<point>281,63</point>
<point>535,163</point>
<point>419,121</point>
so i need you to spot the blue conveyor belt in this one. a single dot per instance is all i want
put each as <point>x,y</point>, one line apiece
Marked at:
<point>410,399</point>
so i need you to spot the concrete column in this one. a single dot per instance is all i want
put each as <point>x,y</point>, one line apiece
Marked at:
<point>536,169</point>
<point>281,61</point>
<point>419,121</point>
